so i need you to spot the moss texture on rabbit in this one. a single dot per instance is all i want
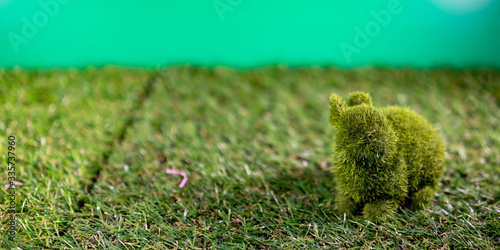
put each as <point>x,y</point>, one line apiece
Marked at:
<point>383,158</point>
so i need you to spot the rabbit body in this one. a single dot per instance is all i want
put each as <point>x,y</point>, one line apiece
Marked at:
<point>384,158</point>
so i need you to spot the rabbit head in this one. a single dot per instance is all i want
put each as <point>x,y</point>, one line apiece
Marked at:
<point>364,135</point>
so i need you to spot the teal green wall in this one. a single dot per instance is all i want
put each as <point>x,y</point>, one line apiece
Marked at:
<point>251,33</point>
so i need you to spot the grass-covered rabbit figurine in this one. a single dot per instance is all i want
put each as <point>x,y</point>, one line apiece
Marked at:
<point>383,158</point>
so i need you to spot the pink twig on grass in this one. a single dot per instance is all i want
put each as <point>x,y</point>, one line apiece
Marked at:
<point>180,172</point>
<point>13,183</point>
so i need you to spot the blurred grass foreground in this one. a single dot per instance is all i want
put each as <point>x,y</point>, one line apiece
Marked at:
<point>93,146</point>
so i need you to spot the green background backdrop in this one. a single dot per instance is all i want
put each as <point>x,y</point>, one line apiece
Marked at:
<point>246,34</point>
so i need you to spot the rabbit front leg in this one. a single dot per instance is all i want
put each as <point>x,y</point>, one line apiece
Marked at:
<point>347,205</point>
<point>420,199</point>
<point>380,210</point>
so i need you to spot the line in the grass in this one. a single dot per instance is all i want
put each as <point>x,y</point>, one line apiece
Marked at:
<point>116,141</point>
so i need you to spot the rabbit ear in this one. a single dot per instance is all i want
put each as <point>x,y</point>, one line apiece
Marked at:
<point>357,98</point>
<point>337,107</point>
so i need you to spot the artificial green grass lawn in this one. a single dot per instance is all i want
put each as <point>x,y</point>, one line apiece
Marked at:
<point>257,148</point>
